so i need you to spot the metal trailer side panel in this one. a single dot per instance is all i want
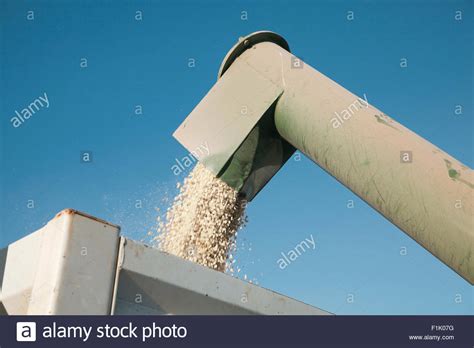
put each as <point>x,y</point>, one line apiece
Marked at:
<point>154,282</point>
<point>3,261</point>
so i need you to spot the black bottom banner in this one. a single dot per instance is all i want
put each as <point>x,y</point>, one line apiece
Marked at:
<point>237,331</point>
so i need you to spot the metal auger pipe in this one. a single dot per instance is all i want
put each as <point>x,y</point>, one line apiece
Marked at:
<point>421,189</point>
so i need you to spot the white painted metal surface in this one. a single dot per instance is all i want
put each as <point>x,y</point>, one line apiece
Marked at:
<point>66,267</point>
<point>153,282</point>
<point>233,116</point>
<point>78,264</point>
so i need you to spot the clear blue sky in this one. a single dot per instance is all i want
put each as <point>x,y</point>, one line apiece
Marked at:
<point>145,63</point>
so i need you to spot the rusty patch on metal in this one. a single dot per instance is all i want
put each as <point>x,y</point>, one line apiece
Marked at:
<point>385,120</point>
<point>70,211</point>
<point>456,174</point>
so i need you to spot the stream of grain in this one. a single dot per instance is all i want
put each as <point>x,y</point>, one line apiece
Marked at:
<point>202,223</point>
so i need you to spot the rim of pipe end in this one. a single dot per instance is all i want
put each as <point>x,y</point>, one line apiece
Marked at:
<point>263,151</point>
<point>247,42</point>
